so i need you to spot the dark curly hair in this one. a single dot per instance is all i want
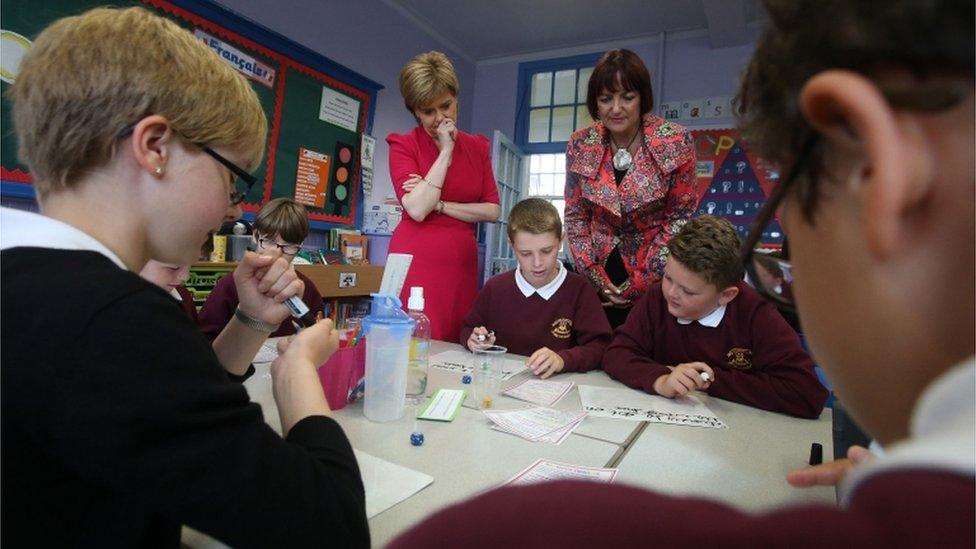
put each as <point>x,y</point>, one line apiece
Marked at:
<point>709,246</point>
<point>930,39</point>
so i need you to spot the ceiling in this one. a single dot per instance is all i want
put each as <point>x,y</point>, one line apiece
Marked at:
<point>486,29</point>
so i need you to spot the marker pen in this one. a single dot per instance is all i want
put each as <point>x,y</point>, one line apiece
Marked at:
<point>303,315</point>
<point>705,377</point>
<point>484,337</point>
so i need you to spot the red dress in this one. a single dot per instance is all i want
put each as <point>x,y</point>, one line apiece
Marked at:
<point>445,255</point>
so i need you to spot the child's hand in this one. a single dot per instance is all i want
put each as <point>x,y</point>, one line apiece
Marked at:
<point>263,283</point>
<point>313,345</point>
<point>683,379</point>
<point>830,473</point>
<point>545,362</point>
<point>480,338</point>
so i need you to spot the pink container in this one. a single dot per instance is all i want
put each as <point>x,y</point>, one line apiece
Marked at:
<point>341,373</point>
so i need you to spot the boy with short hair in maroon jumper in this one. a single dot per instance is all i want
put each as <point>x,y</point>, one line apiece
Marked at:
<point>540,309</point>
<point>703,328</point>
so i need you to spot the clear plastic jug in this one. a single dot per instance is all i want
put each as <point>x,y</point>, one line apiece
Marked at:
<point>388,331</point>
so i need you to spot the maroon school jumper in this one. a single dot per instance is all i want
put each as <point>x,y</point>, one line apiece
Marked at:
<point>756,356</point>
<point>571,322</point>
<point>186,300</point>
<point>222,301</point>
<point>902,508</point>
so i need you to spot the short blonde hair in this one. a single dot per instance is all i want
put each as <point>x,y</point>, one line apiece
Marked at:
<point>425,78</point>
<point>89,77</point>
<point>534,216</point>
<point>285,217</point>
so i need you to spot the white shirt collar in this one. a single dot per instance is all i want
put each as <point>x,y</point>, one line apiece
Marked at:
<point>544,292</point>
<point>19,228</point>
<point>712,319</point>
<point>942,434</point>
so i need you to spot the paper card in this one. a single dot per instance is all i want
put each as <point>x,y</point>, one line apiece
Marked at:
<point>461,361</point>
<point>537,391</point>
<point>637,406</point>
<point>545,470</point>
<point>444,405</point>
<point>339,109</point>
<point>533,423</point>
<point>387,484</point>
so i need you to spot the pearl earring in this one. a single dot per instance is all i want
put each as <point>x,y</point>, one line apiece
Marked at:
<point>158,170</point>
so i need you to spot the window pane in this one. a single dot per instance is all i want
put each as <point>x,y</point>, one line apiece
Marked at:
<point>559,184</point>
<point>547,164</point>
<point>560,160</point>
<point>584,80</point>
<point>565,84</point>
<point>546,183</point>
<point>561,206</point>
<point>583,117</point>
<point>562,123</point>
<point>534,163</point>
<point>533,184</point>
<point>541,89</point>
<point>538,125</point>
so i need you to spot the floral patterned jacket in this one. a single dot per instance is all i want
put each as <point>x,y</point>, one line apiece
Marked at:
<point>654,200</point>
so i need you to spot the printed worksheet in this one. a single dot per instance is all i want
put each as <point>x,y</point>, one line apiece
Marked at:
<point>545,470</point>
<point>534,423</point>
<point>463,362</point>
<point>637,406</point>
<point>541,392</point>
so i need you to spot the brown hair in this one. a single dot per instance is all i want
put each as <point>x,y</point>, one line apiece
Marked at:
<point>619,68</point>
<point>709,246</point>
<point>535,216</point>
<point>88,77</point>
<point>285,217</point>
<point>804,38</point>
<point>425,78</point>
<point>770,263</point>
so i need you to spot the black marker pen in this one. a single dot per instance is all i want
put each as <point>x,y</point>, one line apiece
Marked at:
<point>303,315</point>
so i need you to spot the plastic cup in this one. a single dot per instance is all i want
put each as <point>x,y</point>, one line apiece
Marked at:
<point>488,375</point>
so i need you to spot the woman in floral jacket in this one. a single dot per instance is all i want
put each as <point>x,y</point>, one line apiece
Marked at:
<point>630,184</point>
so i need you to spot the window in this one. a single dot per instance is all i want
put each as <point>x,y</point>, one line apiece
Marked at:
<point>547,179</point>
<point>552,102</point>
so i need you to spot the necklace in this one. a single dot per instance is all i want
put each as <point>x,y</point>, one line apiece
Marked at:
<point>622,160</point>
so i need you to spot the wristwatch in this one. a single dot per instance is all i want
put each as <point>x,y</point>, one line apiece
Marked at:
<point>254,323</point>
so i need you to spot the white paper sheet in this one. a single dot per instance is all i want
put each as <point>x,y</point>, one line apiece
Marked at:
<point>444,405</point>
<point>387,484</point>
<point>638,406</point>
<point>535,423</point>
<point>460,361</point>
<point>545,470</point>
<point>537,391</point>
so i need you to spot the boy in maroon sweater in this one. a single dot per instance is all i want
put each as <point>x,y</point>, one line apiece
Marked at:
<point>867,108</point>
<point>702,328</point>
<point>540,309</point>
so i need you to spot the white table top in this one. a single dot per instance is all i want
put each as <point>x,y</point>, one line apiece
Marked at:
<point>744,465</point>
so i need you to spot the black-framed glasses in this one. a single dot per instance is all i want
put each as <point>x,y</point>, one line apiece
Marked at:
<point>771,276</point>
<point>287,249</point>
<point>240,191</point>
<point>242,184</point>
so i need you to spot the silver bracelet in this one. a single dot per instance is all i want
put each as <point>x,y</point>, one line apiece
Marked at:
<point>253,323</point>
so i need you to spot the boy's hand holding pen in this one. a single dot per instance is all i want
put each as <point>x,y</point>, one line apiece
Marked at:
<point>481,338</point>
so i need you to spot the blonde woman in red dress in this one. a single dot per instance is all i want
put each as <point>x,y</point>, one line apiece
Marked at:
<point>630,184</point>
<point>443,178</point>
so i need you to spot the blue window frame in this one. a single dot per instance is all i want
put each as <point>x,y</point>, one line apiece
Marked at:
<point>551,102</point>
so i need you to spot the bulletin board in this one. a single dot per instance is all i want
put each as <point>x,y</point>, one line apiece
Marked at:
<point>738,182</point>
<point>317,110</point>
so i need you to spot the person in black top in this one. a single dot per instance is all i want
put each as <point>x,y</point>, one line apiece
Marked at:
<point>119,423</point>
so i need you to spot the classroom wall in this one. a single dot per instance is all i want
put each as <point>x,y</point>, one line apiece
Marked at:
<point>375,40</point>
<point>692,69</point>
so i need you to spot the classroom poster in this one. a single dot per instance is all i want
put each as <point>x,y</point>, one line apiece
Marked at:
<point>339,109</point>
<point>312,178</point>
<point>737,182</point>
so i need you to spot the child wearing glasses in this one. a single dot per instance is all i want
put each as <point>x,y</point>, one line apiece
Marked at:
<point>703,328</point>
<point>281,225</point>
<point>561,325</point>
<point>880,220</point>
<point>119,422</point>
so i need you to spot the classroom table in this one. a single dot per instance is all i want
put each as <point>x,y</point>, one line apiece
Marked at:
<point>743,465</point>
